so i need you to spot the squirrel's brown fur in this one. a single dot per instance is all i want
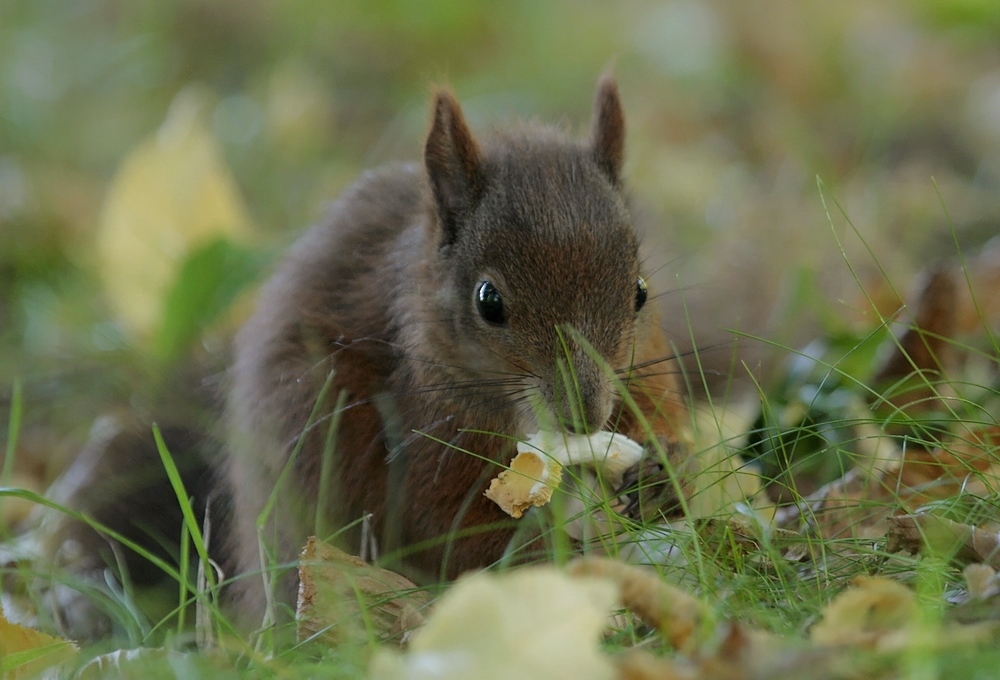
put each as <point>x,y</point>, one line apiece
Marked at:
<point>380,301</point>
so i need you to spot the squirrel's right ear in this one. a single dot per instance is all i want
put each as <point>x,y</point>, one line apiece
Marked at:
<point>451,156</point>
<point>607,136</point>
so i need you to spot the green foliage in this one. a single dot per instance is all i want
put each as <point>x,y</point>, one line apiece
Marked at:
<point>981,17</point>
<point>13,431</point>
<point>207,284</point>
<point>807,426</point>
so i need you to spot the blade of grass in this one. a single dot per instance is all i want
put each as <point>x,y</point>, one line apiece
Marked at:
<point>194,530</point>
<point>262,518</point>
<point>13,432</point>
<point>38,499</point>
<point>327,482</point>
<point>183,583</point>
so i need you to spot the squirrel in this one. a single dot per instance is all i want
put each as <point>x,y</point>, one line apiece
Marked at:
<point>457,307</point>
<point>441,312</point>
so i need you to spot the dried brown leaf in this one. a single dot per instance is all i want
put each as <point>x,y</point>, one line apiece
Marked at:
<point>339,592</point>
<point>534,623</point>
<point>923,341</point>
<point>860,503</point>
<point>978,303</point>
<point>639,665</point>
<point>172,194</point>
<point>868,615</point>
<point>738,652</point>
<point>680,616</point>
<point>981,581</point>
<point>966,544</point>
<point>980,604</point>
<point>948,302</point>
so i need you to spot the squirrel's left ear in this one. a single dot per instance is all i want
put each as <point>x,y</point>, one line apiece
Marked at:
<point>451,156</point>
<point>607,135</point>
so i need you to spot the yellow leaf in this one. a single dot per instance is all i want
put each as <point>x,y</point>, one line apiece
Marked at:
<point>25,652</point>
<point>723,480</point>
<point>339,594</point>
<point>531,624</point>
<point>874,613</point>
<point>297,108</point>
<point>172,194</point>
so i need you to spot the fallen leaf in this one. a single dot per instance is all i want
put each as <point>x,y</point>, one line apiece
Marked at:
<point>980,602</point>
<point>861,503</point>
<point>858,505</point>
<point>172,194</point>
<point>640,665</point>
<point>723,479</point>
<point>682,618</point>
<point>531,624</point>
<point>981,581</point>
<point>25,652</point>
<point>340,594</point>
<point>978,303</point>
<point>867,614</point>
<point>963,542</point>
<point>923,350</point>
<point>948,302</point>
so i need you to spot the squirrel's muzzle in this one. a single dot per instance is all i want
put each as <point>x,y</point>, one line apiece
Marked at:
<point>583,393</point>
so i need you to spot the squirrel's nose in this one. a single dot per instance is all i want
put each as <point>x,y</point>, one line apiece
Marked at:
<point>585,402</point>
<point>579,427</point>
<point>574,424</point>
<point>596,412</point>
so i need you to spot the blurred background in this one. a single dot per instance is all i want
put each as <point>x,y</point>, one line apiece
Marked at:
<point>796,163</point>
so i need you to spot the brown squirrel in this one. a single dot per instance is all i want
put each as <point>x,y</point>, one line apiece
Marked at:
<point>438,300</point>
<point>442,312</point>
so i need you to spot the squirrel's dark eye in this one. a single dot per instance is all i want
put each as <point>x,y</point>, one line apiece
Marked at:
<point>640,293</point>
<point>490,304</point>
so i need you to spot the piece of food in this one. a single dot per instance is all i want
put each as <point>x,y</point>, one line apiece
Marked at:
<point>529,482</point>
<point>609,453</point>
<point>537,469</point>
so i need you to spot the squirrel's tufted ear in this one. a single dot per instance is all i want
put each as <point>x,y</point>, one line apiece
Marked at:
<point>607,136</point>
<point>451,156</point>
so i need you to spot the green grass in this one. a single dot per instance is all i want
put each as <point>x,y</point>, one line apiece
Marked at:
<point>744,576</point>
<point>824,419</point>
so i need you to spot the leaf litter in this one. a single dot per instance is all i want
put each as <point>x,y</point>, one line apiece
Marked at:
<point>873,628</point>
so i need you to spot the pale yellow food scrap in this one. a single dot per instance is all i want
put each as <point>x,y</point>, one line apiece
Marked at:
<point>610,453</point>
<point>537,469</point>
<point>528,483</point>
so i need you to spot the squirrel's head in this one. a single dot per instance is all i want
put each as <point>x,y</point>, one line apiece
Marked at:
<point>536,263</point>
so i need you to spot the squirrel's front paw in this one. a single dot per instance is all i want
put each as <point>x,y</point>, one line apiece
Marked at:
<point>650,489</point>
